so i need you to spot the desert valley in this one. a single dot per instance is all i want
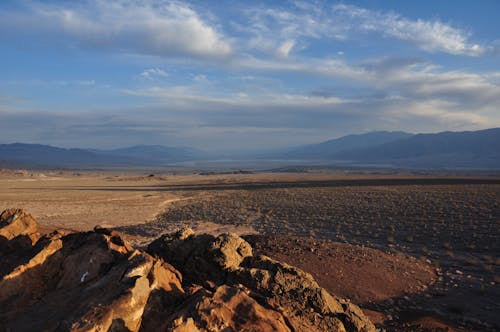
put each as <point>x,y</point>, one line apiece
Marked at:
<point>415,252</point>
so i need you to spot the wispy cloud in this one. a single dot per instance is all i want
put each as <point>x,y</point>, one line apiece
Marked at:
<point>404,91</point>
<point>151,73</point>
<point>170,28</point>
<point>273,27</point>
<point>285,48</point>
<point>429,35</point>
<point>409,77</point>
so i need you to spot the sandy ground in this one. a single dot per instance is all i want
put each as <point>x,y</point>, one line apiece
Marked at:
<point>65,201</point>
<point>79,201</point>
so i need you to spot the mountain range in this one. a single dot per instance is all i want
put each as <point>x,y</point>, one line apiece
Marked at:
<point>467,149</point>
<point>446,150</point>
<point>49,156</point>
<point>477,149</point>
<point>328,149</point>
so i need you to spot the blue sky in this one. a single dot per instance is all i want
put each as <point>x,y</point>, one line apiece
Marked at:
<point>243,74</point>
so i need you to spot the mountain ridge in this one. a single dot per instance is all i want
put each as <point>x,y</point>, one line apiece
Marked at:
<point>347,142</point>
<point>47,155</point>
<point>444,150</point>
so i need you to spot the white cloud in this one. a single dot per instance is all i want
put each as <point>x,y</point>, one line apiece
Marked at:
<point>276,26</point>
<point>332,68</point>
<point>171,28</point>
<point>409,77</point>
<point>152,27</point>
<point>86,82</point>
<point>200,78</point>
<point>409,94</point>
<point>428,35</point>
<point>285,48</point>
<point>151,73</point>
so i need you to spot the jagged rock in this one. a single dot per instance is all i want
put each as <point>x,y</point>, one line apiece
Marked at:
<point>204,256</point>
<point>184,233</point>
<point>18,234</point>
<point>229,250</point>
<point>227,309</point>
<point>189,252</point>
<point>96,281</point>
<point>18,225</point>
<point>227,259</point>
<point>82,282</point>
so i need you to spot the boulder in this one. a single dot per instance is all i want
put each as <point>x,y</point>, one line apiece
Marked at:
<point>229,250</point>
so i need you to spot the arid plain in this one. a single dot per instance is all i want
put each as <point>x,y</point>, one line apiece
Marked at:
<point>415,252</point>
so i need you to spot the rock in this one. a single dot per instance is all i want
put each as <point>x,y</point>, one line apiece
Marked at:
<point>229,250</point>
<point>229,308</point>
<point>297,291</point>
<point>96,281</point>
<point>84,281</point>
<point>227,260</point>
<point>184,233</point>
<point>190,253</point>
<point>18,224</point>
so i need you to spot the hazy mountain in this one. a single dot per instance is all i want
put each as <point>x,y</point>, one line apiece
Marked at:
<point>154,153</point>
<point>46,155</point>
<point>326,150</point>
<point>468,149</point>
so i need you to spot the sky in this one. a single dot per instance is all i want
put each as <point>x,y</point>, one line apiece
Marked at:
<point>235,75</point>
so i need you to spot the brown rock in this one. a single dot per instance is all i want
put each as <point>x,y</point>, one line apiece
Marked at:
<point>95,281</point>
<point>16,223</point>
<point>190,254</point>
<point>228,308</point>
<point>290,291</point>
<point>297,292</point>
<point>82,282</point>
<point>229,250</point>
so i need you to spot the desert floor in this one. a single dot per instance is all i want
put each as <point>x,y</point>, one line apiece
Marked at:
<point>411,250</point>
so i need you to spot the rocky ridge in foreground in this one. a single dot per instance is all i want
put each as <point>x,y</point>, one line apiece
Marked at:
<point>96,281</point>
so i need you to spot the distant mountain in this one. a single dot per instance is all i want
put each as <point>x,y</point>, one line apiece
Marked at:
<point>50,156</point>
<point>447,150</point>
<point>46,155</point>
<point>468,149</point>
<point>154,153</point>
<point>326,150</point>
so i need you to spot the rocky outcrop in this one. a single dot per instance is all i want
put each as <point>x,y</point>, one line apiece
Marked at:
<point>82,282</point>
<point>227,260</point>
<point>227,308</point>
<point>95,281</point>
